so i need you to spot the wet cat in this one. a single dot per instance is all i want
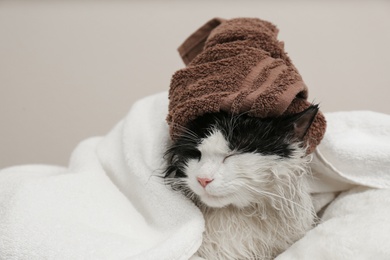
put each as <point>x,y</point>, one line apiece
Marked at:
<point>248,177</point>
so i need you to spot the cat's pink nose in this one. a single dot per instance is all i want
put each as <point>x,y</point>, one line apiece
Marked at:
<point>204,181</point>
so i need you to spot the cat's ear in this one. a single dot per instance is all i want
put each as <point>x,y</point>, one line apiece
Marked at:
<point>302,122</point>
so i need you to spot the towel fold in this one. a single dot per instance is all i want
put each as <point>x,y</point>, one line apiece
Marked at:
<point>238,66</point>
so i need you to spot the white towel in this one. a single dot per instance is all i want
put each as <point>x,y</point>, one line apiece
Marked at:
<point>110,204</point>
<point>106,205</point>
<point>356,148</point>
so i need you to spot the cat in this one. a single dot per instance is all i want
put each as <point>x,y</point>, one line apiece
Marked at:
<point>248,176</point>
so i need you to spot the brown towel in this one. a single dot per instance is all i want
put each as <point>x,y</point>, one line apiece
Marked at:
<point>238,66</point>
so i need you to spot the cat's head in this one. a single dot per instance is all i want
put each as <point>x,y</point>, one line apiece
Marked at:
<point>225,160</point>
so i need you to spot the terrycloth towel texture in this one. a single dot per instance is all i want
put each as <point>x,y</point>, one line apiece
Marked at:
<point>108,204</point>
<point>238,66</point>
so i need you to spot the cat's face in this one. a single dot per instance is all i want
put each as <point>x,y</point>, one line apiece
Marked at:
<point>224,161</point>
<point>222,176</point>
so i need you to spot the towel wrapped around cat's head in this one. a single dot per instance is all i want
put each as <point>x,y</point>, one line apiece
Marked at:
<point>238,66</point>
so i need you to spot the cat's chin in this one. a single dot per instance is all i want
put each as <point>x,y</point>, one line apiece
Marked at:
<point>220,201</point>
<point>213,203</point>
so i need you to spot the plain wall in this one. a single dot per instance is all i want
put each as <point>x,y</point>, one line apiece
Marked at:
<point>72,69</point>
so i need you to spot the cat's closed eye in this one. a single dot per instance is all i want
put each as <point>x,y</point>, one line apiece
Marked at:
<point>228,156</point>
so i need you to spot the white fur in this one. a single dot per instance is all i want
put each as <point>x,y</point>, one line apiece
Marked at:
<point>255,207</point>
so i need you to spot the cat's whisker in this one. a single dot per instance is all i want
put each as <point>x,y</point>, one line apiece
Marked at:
<point>180,145</point>
<point>267,194</point>
<point>186,132</point>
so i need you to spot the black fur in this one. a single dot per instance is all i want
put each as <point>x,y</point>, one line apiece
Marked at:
<point>245,134</point>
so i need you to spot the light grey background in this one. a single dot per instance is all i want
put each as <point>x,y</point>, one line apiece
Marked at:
<point>72,69</point>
